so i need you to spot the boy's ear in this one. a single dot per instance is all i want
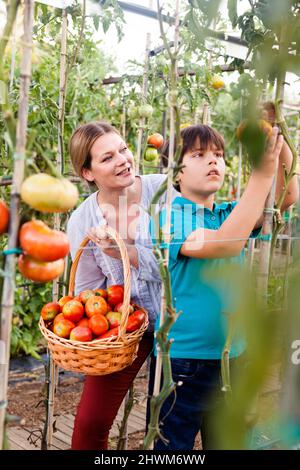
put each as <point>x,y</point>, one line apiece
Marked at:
<point>87,175</point>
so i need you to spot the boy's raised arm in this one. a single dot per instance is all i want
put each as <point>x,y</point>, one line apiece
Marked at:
<point>233,234</point>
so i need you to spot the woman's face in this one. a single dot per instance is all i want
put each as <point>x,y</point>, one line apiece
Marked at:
<point>111,163</point>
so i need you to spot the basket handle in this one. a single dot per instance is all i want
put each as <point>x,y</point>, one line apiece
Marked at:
<point>126,269</point>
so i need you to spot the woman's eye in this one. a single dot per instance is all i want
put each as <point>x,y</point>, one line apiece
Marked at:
<point>107,158</point>
<point>123,149</point>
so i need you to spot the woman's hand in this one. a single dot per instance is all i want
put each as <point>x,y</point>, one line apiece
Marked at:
<point>99,236</point>
<point>269,163</point>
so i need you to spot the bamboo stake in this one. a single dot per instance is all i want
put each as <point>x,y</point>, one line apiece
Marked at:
<point>267,228</point>
<point>18,175</point>
<point>4,101</point>
<point>163,358</point>
<point>142,120</point>
<point>52,370</point>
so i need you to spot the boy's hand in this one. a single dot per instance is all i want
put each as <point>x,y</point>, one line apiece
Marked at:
<point>268,165</point>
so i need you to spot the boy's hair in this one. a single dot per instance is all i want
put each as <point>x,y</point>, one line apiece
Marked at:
<point>189,135</point>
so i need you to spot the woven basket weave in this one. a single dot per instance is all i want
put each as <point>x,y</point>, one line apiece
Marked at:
<point>104,356</point>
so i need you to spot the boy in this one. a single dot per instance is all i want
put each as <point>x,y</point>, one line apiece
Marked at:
<point>206,235</point>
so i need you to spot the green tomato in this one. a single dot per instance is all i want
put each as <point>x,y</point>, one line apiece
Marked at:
<point>151,154</point>
<point>145,111</point>
<point>132,111</point>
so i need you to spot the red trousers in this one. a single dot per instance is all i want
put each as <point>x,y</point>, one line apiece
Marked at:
<point>101,399</point>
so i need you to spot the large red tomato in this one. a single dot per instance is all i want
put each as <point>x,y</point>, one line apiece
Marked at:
<point>50,310</point>
<point>86,295</point>
<point>63,300</point>
<point>43,243</point>
<point>63,328</point>
<point>95,305</point>
<point>98,324</point>
<point>4,217</point>
<point>113,332</point>
<point>115,295</point>
<point>73,310</point>
<point>81,333</point>
<point>40,271</point>
<point>135,321</point>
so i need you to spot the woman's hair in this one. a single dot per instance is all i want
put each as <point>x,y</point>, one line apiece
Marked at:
<point>189,135</point>
<point>82,141</point>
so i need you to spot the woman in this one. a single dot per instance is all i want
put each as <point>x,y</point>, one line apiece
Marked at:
<point>101,157</point>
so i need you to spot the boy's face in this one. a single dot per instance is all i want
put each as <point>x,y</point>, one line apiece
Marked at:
<point>203,172</point>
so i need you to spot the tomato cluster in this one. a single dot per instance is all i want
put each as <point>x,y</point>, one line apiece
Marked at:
<point>93,314</point>
<point>44,251</point>
<point>154,142</point>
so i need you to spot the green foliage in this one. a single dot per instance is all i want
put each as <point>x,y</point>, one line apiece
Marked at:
<point>29,300</point>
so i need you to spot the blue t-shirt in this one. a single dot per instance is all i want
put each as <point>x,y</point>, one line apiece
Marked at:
<point>202,295</point>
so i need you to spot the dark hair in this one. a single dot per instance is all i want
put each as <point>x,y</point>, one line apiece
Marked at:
<point>207,137</point>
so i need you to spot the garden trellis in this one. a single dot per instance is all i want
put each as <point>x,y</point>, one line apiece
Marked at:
<point>265,240</point>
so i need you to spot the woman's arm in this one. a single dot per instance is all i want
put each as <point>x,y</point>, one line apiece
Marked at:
<point>88,275</point>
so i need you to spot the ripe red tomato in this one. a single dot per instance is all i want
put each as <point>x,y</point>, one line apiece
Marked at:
<point>73,310</point>
<point>50,310</point>
<point>63,300</point>
<point>109,334</point>
<point>83,322</point>
<point>81,333</point>
<point>58,317</point>
<point>95,305</point>
<point>63,328</point>
<point>4,217</point>
<point>101,292</point>
<point>86,295</point>
<point>115,295</point>
<point>135,321</point>
<point>98,324</point>
<point>43,243</point>
<point>118,308</point>
<point>40,271</point>
<point>156,140</point>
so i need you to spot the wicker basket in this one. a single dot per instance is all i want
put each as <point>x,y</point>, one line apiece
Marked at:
<point>104,356</point>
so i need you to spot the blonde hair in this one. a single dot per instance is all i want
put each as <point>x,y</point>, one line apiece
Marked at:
<point>82,140</point>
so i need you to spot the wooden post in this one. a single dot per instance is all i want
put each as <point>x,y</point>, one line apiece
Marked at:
<point>53,369</point>
<point>18,175</point>
<point>142,121</point>
<point>158,368</point>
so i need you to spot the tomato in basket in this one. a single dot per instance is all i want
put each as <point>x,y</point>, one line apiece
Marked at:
<point>73,310</point>
<point>95,305</point>
<point>115,295</point>
<point>81,333</point>
<point>135,321</point>
<point>98,324</point>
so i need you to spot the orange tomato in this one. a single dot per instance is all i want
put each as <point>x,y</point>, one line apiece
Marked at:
<point>63,328</point>
<point>73,310</point>
<point>95,305</point>
<point>98,324</point>
<point>50,310</point>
